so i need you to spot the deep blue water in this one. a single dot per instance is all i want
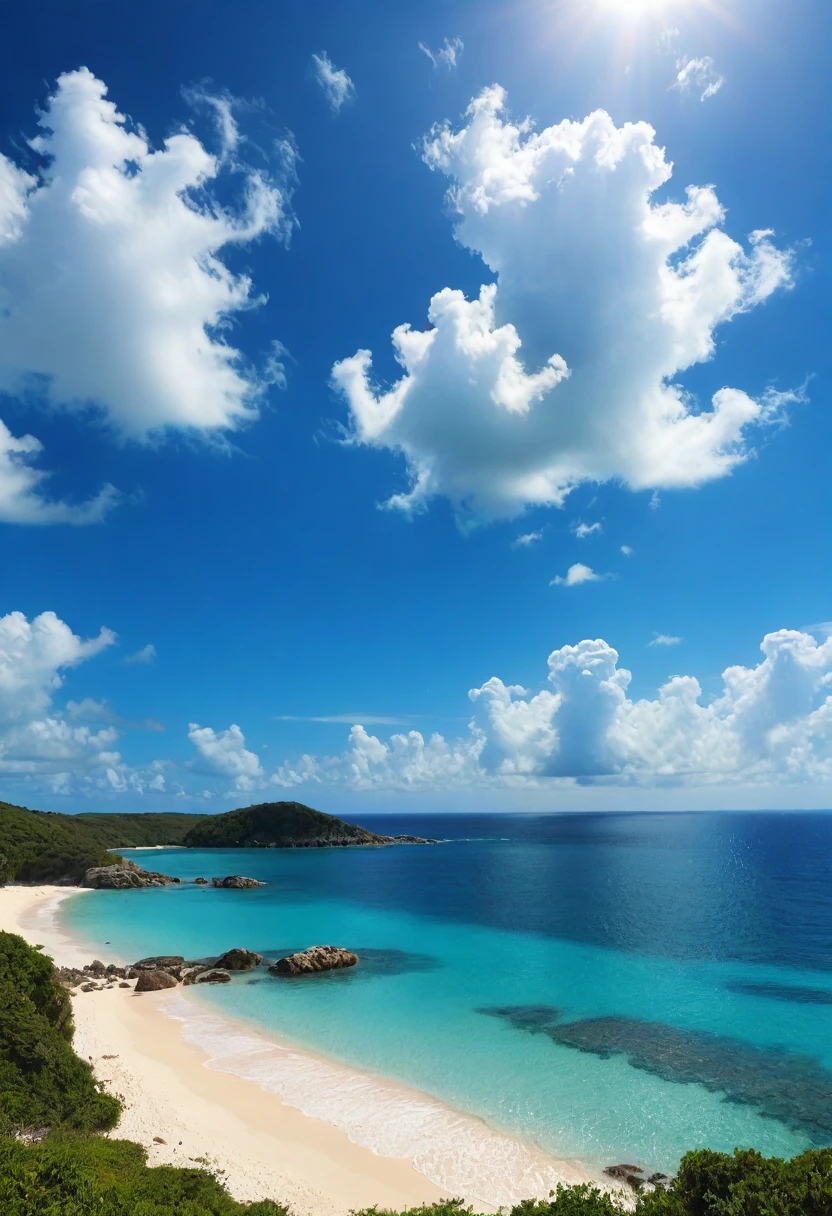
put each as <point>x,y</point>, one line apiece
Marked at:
<point>610,986</point>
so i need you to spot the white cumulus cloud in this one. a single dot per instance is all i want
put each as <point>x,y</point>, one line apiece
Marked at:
<point>113,295</point>
<point>695,74</point>
<point>225,752</point>
<point>337,87</point>
<point>33,656</point>
<point>36,740</point>
<point>770,724</point>
<point>22,486</point>
<point>577,574</point>
<point>566,369</point>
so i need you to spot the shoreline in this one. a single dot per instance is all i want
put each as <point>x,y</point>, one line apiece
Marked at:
<point>272,1120</point>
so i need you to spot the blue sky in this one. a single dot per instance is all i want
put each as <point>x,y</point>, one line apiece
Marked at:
<point>180,321</point>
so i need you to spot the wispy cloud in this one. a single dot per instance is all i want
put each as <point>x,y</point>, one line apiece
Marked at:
<point>583,530</point>
<point>147,654</point>
<point>98,712</point>
<point>348,719</point>
<point>448,54</point>
<point>527,540</point>
<point>666,41</point>
<point>337,87</point>
<point>627,550</point>
<point>665,639</point>
<point>577,574</point>
<point>693,74</point>
<point>824,628</point>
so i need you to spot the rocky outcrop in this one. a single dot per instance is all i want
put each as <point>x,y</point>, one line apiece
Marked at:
<point>125,876</point>
<point>316,958</point>
<point>172,963</point>
<point>236,882</point>
<point>94,973</point>
<point>155,981</point>
<point>158,971</point>
<point>633,1175</point>
<point>201,882</point>
<point>239,959</point>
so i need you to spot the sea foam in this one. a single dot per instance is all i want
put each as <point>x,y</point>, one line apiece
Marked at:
<point>460,1153</point>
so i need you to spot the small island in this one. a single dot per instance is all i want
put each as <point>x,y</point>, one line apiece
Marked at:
<point>46,846</point>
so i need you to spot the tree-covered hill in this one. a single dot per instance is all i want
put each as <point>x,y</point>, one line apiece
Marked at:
<point>133,831</point>
<point>276,824</point>
<point>43,846</point>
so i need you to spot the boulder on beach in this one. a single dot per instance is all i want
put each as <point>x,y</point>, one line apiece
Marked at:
<point>239,959</point>
<point>123,877</point>
<point>213,977</point>
<point>316,958</point>
<point>236,882</point>
<point>172,963</point>
<point>154,981</point>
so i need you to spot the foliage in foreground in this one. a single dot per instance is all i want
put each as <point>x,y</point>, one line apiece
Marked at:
<point>708,1184</point>
<point>75,1176</point>
<point>43,1083</point>
<point>746,1184</point>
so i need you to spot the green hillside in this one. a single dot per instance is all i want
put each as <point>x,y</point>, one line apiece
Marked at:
<point>132,831</point>
<point>43,846</point>
<point>276,824</point>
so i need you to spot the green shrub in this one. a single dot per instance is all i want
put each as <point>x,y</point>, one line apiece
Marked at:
<point>43,1083</point>
<point>33,974</point>
<point>79,1175</point>
<point>582,1200</point>
<point>746,1184</point>
<point>567,1201</point>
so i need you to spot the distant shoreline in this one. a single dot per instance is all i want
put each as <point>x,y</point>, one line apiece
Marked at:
<point>183,1085</point>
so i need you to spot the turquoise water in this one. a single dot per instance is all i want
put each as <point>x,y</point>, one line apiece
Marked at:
<point>623,988</point>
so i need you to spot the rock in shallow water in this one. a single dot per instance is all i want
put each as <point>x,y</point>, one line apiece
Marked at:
<point>316,958</point>
<point>124,877</point>
<point>213,977</point>
<point>237,882</point>
<point>154,981</point>
<point>239,959</point>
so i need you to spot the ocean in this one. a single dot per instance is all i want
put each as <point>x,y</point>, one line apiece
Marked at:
<point>611,987</point>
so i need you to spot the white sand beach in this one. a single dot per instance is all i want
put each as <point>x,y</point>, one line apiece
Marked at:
<point>184,1109</point>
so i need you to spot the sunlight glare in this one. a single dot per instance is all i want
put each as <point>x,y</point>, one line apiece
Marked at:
<point>633,8</point>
